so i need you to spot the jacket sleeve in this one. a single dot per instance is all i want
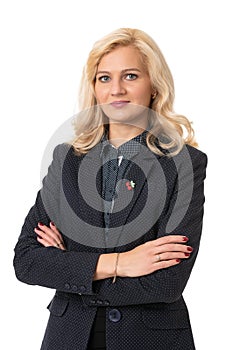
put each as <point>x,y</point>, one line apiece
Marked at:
<point>167,285</point>
<point>67,271</point>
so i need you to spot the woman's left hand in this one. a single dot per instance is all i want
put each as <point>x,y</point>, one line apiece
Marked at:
<point>49,236</point>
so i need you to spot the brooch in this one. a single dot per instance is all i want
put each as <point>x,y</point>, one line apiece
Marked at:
<point>130,185</point>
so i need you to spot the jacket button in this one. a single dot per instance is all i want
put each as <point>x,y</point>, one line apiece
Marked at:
<point>99,302</point>
<point>106,302</point>
<point>82,289</point>
<point>67,286</point>
<point>74,288</point>
<point>92,302</point>
<point>114,315</point>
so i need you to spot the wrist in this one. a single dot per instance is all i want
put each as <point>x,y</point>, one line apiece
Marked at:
<point>115,269</point>
<point>105,267</point>
<point>122,265</point>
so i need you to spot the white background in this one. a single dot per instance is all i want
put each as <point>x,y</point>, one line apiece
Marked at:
<point>44,45</point>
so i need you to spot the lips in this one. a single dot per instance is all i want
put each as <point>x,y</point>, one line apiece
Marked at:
<point>119,104</point>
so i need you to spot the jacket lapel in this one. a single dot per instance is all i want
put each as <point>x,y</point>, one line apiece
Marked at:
<point>92,178</point>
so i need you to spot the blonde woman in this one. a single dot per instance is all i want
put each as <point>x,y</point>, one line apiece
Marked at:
<point>115,229</point>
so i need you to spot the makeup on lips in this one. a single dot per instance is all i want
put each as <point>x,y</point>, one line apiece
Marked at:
<point>119,104</point>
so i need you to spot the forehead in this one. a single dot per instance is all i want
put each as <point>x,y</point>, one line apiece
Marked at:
<point>121,57</point>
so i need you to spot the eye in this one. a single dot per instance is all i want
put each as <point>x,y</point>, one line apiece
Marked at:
<point>104,78</point>
<point>131,76</point>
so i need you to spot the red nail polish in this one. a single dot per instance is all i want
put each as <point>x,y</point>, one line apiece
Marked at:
<point>190,249</point>
<point>185,239</point>
<point>41,224</point>
<point>178,260</point>
<point>52,223</point>
<point>186,254</point>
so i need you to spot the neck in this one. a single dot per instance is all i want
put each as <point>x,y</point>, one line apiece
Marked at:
<point>121,133</point>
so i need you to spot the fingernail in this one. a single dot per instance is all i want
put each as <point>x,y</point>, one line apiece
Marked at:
<point>178,260</point>
<point>52,223</point>
<point>185,239</point>
<point>186,254</point>
<point>41,224</point>
<point>190,249</point>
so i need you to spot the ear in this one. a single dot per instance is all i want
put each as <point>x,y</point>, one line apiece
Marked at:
<point>154,94</point>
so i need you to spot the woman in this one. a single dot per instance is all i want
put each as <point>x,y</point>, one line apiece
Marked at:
<point>116,227</point>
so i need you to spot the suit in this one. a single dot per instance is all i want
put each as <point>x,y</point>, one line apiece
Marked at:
<point>147,312</point>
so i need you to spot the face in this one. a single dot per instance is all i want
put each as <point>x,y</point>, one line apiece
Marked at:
<point>123,85</point>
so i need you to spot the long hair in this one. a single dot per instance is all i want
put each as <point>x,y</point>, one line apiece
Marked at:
<point>168,130</point>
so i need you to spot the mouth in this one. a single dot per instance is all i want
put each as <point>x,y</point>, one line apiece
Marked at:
<point>119,104</point>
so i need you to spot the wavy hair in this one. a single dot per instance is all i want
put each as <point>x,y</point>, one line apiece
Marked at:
<point>167,130</point>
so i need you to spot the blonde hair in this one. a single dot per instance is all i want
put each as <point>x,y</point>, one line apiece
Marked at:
<point>167,128</point>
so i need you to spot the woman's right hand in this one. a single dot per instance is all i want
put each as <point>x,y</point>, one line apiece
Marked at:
<point>49,236</point>
<point>153,255</point>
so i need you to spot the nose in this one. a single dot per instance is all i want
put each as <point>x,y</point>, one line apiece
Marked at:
<point>117,87</point>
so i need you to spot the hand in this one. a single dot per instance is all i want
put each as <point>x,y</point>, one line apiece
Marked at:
<point>49,236</point>
<point>153,255</point>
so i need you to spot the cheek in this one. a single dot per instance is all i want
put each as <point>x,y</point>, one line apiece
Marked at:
<point>144,97</point>
<point>100,94</point>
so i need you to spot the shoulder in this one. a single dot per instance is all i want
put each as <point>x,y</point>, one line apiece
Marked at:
<point>197,161</point>
<point>189,162</point>
<point>197,155</point>
<point>61,150</point>
<point>187,153</point>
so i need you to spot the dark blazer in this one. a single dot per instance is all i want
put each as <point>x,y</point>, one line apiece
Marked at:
<point>147,312</point>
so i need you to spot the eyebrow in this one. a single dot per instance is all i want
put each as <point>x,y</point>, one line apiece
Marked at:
<point>123,71</point>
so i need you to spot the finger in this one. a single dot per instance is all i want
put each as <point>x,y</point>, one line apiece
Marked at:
<point>48,236</point>
<point>51,231</point>
<point>164,264</point>
<point>58,236</point>
<point>171,256</point>
<point>173,247</point>
<point>169,239</point>
<point>46,243</point>
<point>43,236</point>
<point>56,231</point>
<point>43,242</point>
<point>44,228</point>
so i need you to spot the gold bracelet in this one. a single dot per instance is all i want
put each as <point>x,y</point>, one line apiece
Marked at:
<point>115,271</point>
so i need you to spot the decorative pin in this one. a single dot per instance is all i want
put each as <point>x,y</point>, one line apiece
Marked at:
<point>130,185</point>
